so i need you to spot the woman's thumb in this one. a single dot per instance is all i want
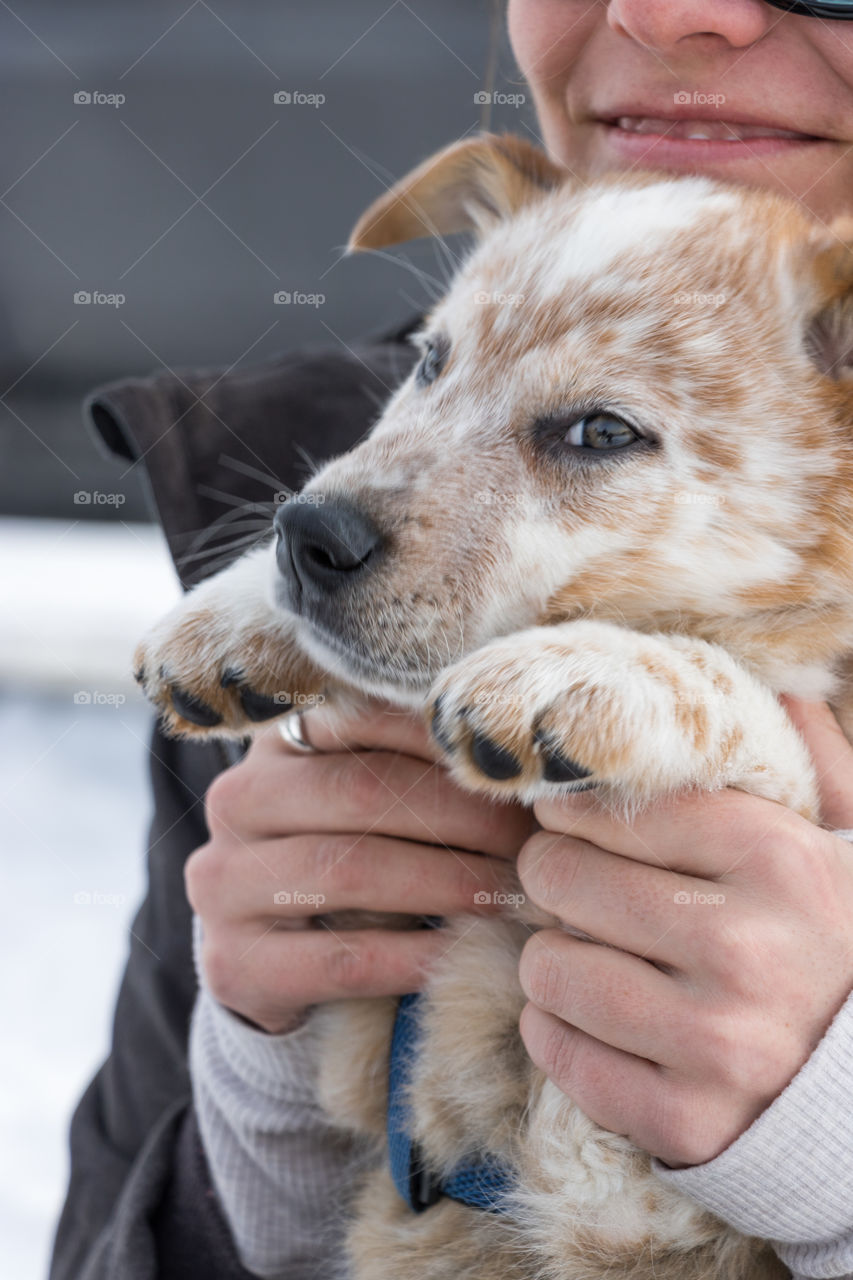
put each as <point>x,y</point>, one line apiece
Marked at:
<point>832,756</point>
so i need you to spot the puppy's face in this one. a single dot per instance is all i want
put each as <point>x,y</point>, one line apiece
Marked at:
<point>635,401</point>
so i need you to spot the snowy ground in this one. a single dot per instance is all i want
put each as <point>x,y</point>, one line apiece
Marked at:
<point>73,812</point>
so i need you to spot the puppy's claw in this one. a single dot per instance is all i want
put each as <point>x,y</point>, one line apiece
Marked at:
<point>439,732</point>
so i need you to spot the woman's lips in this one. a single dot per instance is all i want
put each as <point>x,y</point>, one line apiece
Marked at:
<point>690,141</point>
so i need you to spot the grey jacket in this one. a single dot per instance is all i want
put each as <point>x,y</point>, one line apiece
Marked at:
<point>140,1203</point>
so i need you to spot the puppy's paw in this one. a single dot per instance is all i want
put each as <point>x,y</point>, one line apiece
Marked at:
<point>209,682</point>
<point>500,715</point>
<point>224,661</point>
<point>581,705</point>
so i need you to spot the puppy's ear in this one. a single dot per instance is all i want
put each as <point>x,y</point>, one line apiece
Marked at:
<point>829,334</point>
<point>468,186</point>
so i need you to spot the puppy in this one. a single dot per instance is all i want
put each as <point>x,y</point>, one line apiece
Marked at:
<point>605,521</point>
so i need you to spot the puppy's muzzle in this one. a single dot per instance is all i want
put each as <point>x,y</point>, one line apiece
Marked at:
<point>325,550</point>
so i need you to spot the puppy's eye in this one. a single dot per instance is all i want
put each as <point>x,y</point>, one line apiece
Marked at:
<point>600,431</point>
<point>433,361</point>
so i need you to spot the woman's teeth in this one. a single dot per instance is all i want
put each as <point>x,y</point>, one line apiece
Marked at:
<point>705,130</point>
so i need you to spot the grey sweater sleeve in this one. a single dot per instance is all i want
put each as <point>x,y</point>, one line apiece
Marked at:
<point>789,1177</point>
<point>282,1174</point>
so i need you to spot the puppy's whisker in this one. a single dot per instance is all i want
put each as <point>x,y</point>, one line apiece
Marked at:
<point>312,465</point>
<point>449,263</point>
<point>429,282</point>
<point>223,547</point>
<point>227,557</point>
<point>228,523</point>
<point>254,473</point>
<point>235,499</point>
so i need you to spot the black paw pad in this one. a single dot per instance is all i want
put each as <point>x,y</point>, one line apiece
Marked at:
<point>492,760</point>
<point>256,707</point>
<point>440,734</point>
<point>259,706</point>
<point>193,709</point>
<point>557,767</point>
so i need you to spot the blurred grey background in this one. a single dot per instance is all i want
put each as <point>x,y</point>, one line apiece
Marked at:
<point>146,165</point>
<point>190,192</point>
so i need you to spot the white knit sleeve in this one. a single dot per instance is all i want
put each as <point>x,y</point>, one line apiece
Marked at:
<point>789,1177</point>
<point>283,1174</point>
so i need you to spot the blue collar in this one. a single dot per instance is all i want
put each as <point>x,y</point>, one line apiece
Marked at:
<point>482,1185</point>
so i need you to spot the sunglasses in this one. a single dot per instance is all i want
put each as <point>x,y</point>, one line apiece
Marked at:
<point>826,9</point>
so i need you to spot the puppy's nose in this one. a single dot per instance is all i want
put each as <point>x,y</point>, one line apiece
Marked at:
<point>324,546</point>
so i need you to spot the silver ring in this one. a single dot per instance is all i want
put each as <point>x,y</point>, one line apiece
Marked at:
<point>292,729</point>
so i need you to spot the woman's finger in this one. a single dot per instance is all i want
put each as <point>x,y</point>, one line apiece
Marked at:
<point>832,756</point>
<point>270,794</point>
<point>614,899</point>
<point>618,999</point>
<point>300,876</point>
<point>261,972</point>
<point>374,725</point>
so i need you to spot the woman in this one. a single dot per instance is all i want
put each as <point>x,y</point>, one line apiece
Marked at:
<point>755,1024</point>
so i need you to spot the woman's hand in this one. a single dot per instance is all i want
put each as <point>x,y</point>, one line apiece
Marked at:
<point>734,923</point>
<point>373,823</point>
